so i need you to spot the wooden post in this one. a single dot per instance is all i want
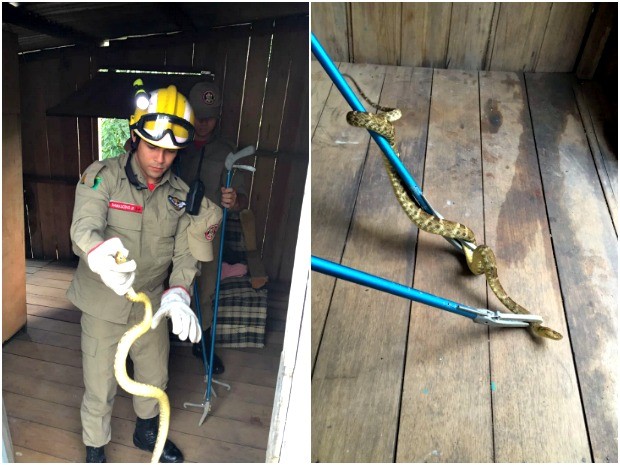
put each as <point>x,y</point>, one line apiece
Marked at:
<point>13,242</point>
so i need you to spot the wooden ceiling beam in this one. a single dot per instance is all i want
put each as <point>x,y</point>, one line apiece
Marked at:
<point>22,17</point>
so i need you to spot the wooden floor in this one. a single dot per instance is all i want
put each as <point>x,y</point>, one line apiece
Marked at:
<point>524,161</point>
<point>42,387</point>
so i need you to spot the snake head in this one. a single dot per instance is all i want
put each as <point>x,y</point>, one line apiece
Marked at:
<point>119,258</point>
<point>549,333</point>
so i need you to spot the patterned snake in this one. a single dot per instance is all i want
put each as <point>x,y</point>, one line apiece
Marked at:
<point>128,384</point>
<point>480,258</point>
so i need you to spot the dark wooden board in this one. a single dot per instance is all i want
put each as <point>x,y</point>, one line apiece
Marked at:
<point>586,252</point>
<point>516,227</point>
<point>338,156</point>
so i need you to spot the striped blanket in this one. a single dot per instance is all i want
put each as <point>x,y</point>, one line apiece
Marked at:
<point>242,312</point>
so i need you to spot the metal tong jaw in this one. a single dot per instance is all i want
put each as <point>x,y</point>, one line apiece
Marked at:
<point>488,317</point>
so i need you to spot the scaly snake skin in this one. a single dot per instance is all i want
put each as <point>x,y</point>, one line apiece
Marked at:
<point>479,260</point>
<point>131,386</point>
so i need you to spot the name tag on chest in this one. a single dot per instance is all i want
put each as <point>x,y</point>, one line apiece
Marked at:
<point>127,207</point>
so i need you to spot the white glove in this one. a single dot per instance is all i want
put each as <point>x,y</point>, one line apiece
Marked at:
<point>101,260</point>
<point>175,304</point>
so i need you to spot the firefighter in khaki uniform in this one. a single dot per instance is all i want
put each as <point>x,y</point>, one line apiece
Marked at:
<point>206,101</point>
<point>135,205</point>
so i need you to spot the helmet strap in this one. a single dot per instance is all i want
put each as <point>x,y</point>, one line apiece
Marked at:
<point>135,140</point>
<point>131,175</point>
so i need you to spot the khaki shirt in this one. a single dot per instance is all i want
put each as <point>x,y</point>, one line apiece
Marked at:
<point>152,225</point>
<point>213,172</point>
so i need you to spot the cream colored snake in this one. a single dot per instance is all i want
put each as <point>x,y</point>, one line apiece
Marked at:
<point>479,260</point>
<point>131,386</point>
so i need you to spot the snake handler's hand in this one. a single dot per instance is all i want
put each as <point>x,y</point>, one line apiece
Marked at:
<point>229,197</point>
<point>118,277</point>
<point>175,305</point>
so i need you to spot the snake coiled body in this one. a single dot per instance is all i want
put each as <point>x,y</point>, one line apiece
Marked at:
<point>133,387</point>
<point>480,258</point>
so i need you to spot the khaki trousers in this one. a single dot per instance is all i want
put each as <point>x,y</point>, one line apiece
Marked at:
<point>150,360</point>
<point>206,285</point>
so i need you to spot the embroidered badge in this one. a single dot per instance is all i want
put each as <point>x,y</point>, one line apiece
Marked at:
<point>210,234</point>
<point>96,181</point>
<point>176,203</point>
<point>127,207</point>
<point>208,97</point>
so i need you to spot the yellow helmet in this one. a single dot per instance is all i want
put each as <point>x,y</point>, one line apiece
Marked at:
<point>167,122</point>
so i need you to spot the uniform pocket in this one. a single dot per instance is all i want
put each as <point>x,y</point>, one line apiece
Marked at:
<point>164,246</point>
<point>89,345</point>
<point>120,219</point>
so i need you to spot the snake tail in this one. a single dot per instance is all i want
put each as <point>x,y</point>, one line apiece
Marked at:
<point>132,386</point>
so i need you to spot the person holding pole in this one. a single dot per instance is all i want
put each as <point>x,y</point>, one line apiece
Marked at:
<point>204,159</point>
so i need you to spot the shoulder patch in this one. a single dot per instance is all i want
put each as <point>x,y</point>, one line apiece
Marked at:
<point>92,177</point>
<point>177,203</point>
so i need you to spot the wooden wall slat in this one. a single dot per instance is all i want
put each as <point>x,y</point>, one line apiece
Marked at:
<point>210,55</point>
<point>275,92</point>
<point>605,20</point>
<point>299,175</point>
<point>33,224</point>
<point>330,24</point>
<point>88,152</point>
<point>33,78</point>
<point>375,33</point>
<point>179,55</point>
<point>599,124</point>
<point>289,176</point>
<point>294,134</point>
<point>586,253</point>
<point>425,32</point>
<point>254,92</point>
<point>520,31</point>
<point>482,36</point>
<point>565,32</point>
<point>270,131</point>
<point>275,224</point>
<point>469,35</point>
<point>232,84</point>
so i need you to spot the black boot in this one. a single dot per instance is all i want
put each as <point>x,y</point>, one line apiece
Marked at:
<point>145,436</point>
<point>95,455</point>
<point>218,366</point>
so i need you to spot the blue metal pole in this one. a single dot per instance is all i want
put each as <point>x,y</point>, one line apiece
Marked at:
<point>359,277</point>
<point>202,339</point>
<point>217,291</point>
<point>348,94</point>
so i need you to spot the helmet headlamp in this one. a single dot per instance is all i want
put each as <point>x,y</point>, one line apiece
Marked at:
<point>142,96</point>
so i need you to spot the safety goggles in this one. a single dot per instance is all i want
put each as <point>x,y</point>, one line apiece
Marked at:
<point>155,126</point>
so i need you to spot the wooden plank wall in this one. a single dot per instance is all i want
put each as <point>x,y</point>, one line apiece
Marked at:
<point>539,37</point>
<point>263,70</point>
